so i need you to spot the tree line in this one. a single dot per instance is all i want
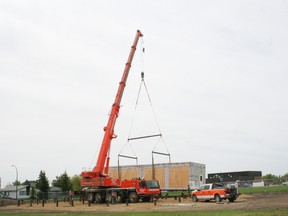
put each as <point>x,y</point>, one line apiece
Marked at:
<point>273,179</point>
<point>63,181</point>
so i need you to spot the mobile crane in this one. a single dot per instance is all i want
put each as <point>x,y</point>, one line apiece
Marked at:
<point>97,184</point>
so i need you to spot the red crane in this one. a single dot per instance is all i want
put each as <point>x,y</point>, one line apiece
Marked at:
<point>97,184</point>
<point>99,175</point>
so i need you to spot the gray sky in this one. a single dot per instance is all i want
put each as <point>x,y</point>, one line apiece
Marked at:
<point>216,72</point>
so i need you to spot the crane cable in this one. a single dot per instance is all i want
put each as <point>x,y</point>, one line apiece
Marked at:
<point>133,117</point>
<point>136,104</point>
<point>146,89</point>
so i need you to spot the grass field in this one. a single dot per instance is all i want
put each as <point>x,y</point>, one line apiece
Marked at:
<point>270,189</point>
<point>200,213</point>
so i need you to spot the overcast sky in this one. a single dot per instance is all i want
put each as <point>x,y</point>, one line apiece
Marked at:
<point>216,72</point>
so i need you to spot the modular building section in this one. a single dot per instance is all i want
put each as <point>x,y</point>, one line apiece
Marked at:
<point>169,175</point>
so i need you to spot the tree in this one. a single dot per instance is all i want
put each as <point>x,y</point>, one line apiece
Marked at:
<point>33,194</point>
<point>63,181</point>
<point>42,183</point>
<point>16,183</point>
<point>76,183</point>
<point>271,179</point>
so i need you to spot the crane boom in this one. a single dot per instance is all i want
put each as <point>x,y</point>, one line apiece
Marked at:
<point>109,128</point>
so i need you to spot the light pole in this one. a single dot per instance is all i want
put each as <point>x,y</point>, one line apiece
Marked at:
<point>16,183</point>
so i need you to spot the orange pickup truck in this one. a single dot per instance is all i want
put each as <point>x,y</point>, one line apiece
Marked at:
<point>215,191</point>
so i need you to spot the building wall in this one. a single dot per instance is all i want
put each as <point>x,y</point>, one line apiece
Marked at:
<point>197,175</point>
<point>22,193</point>
<point>241,176</point>
<point>169,175</point>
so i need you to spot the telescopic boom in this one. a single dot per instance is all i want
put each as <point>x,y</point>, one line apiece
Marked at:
<point>109,128</point>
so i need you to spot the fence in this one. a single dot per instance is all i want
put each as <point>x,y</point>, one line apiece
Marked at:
<point>52,195</point>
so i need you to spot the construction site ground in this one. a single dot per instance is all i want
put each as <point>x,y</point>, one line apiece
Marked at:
<point>244,202</point>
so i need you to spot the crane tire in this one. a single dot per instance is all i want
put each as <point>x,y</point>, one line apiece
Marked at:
<point>98,198</point>
<point>133,197</point>
<point>91,197</point>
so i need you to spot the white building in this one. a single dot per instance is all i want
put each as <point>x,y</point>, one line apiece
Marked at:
<point>23,192</point>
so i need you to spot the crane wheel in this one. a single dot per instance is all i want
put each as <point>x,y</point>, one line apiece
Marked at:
<point>91,197</point>
<point>109,198</point>
<point>119,199</point>
<point>133,197</point>
<point>98,198</point>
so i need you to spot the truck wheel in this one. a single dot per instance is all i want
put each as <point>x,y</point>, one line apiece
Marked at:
<point>98,198</point>
<point>194,198</point>
<point>133,197</point>
<point>91,197</point>
<point>217,198</point>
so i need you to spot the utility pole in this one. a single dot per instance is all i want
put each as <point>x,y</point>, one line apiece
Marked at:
<point>16,183</point>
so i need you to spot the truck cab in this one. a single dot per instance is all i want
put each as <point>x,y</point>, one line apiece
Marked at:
<point>141,189</point>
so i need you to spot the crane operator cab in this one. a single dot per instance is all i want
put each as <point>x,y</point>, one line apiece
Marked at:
<point>143,190</point>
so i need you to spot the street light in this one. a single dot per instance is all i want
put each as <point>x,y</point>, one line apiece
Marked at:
<point>16,183</point>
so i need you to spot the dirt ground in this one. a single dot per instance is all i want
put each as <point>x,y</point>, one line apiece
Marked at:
<point>247,202</point>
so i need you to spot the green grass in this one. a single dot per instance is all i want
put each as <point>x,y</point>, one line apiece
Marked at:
<point>194,213</point>
<point>270,189</point>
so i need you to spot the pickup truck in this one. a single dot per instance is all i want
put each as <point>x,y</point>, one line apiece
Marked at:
<point>215,191</point>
